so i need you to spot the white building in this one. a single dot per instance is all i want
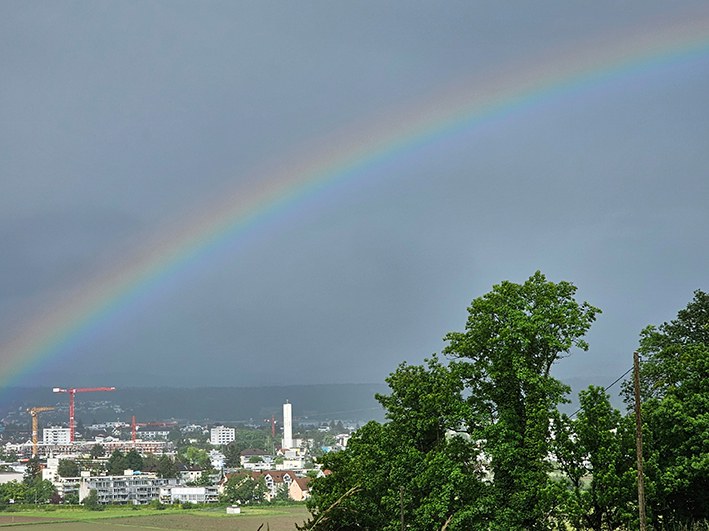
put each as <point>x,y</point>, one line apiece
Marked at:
<point>131,488</point>
<point>222,435</point>
<point>55,435</point>
<point>176,494</point>
<point>287,426</point>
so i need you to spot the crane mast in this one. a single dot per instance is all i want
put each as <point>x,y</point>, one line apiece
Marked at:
<point>34,411</point>
<point>72,392</point>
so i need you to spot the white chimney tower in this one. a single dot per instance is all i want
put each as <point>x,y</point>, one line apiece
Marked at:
<point>287,426</point>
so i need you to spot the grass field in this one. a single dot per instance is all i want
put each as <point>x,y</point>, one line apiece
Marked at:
<point>125,519</point>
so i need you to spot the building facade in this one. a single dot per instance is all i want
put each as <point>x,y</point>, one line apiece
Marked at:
<point>177,494</point>
<point>222,435</point>
<point>129,489</point>
<point>55,435</point>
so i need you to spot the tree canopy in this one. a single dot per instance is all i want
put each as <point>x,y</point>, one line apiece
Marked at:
<point>513,336</point>
<point>674,369</point>
<point>479,442</point>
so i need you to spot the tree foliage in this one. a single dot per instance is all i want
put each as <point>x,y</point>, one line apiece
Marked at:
<point>513,336</point>
<point>68,468</point>
<point>479,443</point>
<point>97,450</point>
<point>674,369</point>
<point>413,467</point>
<point>596,453</point>
<point>242,488</point>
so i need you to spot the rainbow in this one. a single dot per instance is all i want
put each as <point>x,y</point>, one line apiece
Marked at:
<point>348,156</point>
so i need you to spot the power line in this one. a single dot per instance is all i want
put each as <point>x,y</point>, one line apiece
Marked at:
<point>606,388</point>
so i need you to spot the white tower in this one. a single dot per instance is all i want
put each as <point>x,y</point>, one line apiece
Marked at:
<point>287,426</point>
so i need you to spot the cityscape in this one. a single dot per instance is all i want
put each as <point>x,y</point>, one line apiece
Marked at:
<point>276,455</point>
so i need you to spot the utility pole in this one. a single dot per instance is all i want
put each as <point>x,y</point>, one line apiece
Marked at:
<point>639,440</point>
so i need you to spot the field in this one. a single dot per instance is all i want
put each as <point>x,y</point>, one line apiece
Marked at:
<point>120,519</point>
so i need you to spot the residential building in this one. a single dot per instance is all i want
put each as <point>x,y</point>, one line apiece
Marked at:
<point>275,479</point>
<point>130,488</point>
<point>221,435</point>
<point>179,494</point>
<point>298,489</point>
<point>55,435</point>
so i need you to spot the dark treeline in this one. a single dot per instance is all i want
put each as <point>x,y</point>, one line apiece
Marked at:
<point>310,402</point>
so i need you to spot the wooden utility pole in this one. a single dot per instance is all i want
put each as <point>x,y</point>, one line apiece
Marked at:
<point>639,440</point>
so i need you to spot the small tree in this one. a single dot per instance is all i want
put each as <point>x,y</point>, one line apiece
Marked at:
<point>133,460</point>
<point>68,468</point>
<point>116,463</point>
<point>91,501</point>
<point>166,467</point>
<point>97,450</point>
<point>596,454</point>
<point>33,471</point>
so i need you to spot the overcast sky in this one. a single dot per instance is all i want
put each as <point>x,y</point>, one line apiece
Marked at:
<point>121,120</point>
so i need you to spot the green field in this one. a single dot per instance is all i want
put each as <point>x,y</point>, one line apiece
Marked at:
<point>125,519</point>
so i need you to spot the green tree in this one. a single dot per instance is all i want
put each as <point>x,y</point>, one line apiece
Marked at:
<point>116,464</point>
<point>243,488</point>
<point>42,491</point>
<point>133,460</point>
<point>232,455</point>
<point>33,471</point>
<point>513,336</point>
<point>196,457</point>
<point>91,501</point>
<point>72,498</point>
<point>68,468</point>
<point>596,453</point>
<point>166,467</point>
<point>97,450</point>
<point>282,494</point>
<point>415,460</point>
<point>675,389</point>
<point>13,490</point>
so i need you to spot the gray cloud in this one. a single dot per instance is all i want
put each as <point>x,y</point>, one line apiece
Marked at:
<point>121,120</point>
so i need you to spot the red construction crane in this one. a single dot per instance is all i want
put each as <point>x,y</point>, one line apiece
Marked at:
<point>134,426</point>
<point>272,420</point>
<point>73,392</point>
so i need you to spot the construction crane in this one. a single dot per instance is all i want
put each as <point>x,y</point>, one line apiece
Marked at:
<point>72,391</point>
<point>272,420</point>
<point>33,411</point>
<point>134,426</point>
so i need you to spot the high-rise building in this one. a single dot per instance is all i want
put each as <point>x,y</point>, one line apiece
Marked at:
<point>55,435</point>
<point>287,426</point>
<point>222,435</point>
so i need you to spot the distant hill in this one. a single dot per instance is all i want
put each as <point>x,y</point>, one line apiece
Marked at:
<point>313,403</point>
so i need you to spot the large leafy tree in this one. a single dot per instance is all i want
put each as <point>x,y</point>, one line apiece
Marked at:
<point>416,467</point>
<point>512,338</point>
<point>675,388</point>
<point>596,454</point>
<point>245,489</point>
